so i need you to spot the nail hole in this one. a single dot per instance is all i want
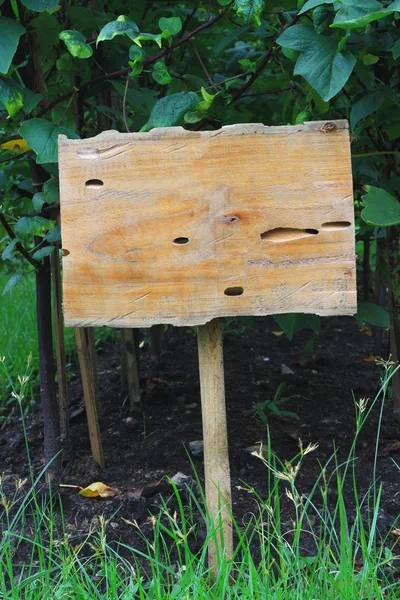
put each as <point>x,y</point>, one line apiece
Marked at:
<point>233,291</point>
<point>335,225</point>
<point>181,240</point>
<point>94,184</point>
<point>287,234</point>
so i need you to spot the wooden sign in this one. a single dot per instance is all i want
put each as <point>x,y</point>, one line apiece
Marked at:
<point>179,227</point>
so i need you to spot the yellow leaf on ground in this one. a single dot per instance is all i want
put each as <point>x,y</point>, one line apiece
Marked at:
<point>277,333</point>
<point>366,331</point>
<point>372,358</point>
<point>15,146</point>
<point>395,532</point>
<point>98,490</point>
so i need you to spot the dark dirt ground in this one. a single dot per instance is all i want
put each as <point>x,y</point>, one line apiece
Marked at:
<point>139,452</point>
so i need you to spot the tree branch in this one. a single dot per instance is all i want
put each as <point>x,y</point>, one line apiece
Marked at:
<point>207,74</point>
<point>124,72</point>
<point>263,63</point>
<point>18,245</point>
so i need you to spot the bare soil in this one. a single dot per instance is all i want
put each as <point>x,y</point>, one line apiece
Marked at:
<point>142,451</point>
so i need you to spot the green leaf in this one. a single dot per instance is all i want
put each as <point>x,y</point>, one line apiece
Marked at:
<point>11,95</point>
<point>160,73</point>
<point>8,252</point>
<point>3,178</point>
<point>150,37</point>
<point>381,209</point>
<point>76,43</point>
<point>395,49</point>
<point>173,25</point>
<point>10,32</point>
<point>122,26</point>
<point>367,312</point>
<point>31,100</point>
<point>313,4</point>
<point>33,226</point>
<point>170,110</point>
<point>12,282</point>
<point>40,5</point>
<point>370,59</point>
<point>365,106</point>
<point>359,13</point>
<point>249,10</point>
<point>38,201</point>
<point>54,235</point>
<point>42,136</point>
<point>51,191</point>
<point>286,323</point>
<point>42,252</point>
<point>319,62</point>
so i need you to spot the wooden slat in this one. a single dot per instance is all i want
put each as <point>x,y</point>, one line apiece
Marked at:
<point>87,361</point>
<point>60,349</point>
<point>215,436</point>
<point>131,367</point>
<point>266,213</point>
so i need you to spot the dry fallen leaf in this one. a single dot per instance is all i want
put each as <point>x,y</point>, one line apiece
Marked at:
<point>372,358</point>
<point>395,532</point>
<point>277,333</point>
<point>366,331</point>
<point>98,490</point>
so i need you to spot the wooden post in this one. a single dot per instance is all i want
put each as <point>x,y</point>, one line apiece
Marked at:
<point>131,366</point>
<point>215,436</point>
<point>60,349</point>
<point>84,338</point>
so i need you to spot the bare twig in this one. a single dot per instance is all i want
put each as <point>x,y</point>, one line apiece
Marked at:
<point>124,103</point>
<point>204,67</point>
<point>124,72</point>
<point>263,62</point>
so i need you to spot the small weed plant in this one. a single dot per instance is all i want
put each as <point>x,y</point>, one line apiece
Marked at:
<point>331,550</point>
<point>274,406</point>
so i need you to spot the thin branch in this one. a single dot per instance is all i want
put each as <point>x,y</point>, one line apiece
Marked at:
<point>263,62</point>
<point>373,154</point>
<point>18,245</point>
<point>124,102</point>
<point>204,67</point>
<point>266,92</point>
<point>124,72</point>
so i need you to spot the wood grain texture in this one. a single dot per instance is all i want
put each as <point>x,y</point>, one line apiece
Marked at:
<point>215,436</point>
<point>180,227</point>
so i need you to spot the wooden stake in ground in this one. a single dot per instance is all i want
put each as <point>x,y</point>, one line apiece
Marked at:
<point>60,349</point>
<point>131,365</point>
<point>84,338</point>
<point>215,435</point>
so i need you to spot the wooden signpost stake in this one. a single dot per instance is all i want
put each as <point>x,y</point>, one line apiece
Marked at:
<point>180,227</point>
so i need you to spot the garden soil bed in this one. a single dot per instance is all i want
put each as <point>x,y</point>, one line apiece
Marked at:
<point>140,453</point>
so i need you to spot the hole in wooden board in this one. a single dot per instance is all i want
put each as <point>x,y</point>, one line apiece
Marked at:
<point>335,225</point>
<point>287,234</point>
<point>64,252</point>
<point>94,184</point>
<point>234,291</point>
<point>180,240</point>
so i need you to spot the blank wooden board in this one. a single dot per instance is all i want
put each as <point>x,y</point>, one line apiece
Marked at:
<point>174,226</point>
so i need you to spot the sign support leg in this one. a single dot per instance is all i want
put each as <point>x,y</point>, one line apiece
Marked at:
<point>131,358</point>
<point>84,338</point>
<point>215,435</point>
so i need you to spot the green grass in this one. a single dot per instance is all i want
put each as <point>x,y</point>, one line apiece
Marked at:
<point>349,559</point>
<point>18,334</point>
